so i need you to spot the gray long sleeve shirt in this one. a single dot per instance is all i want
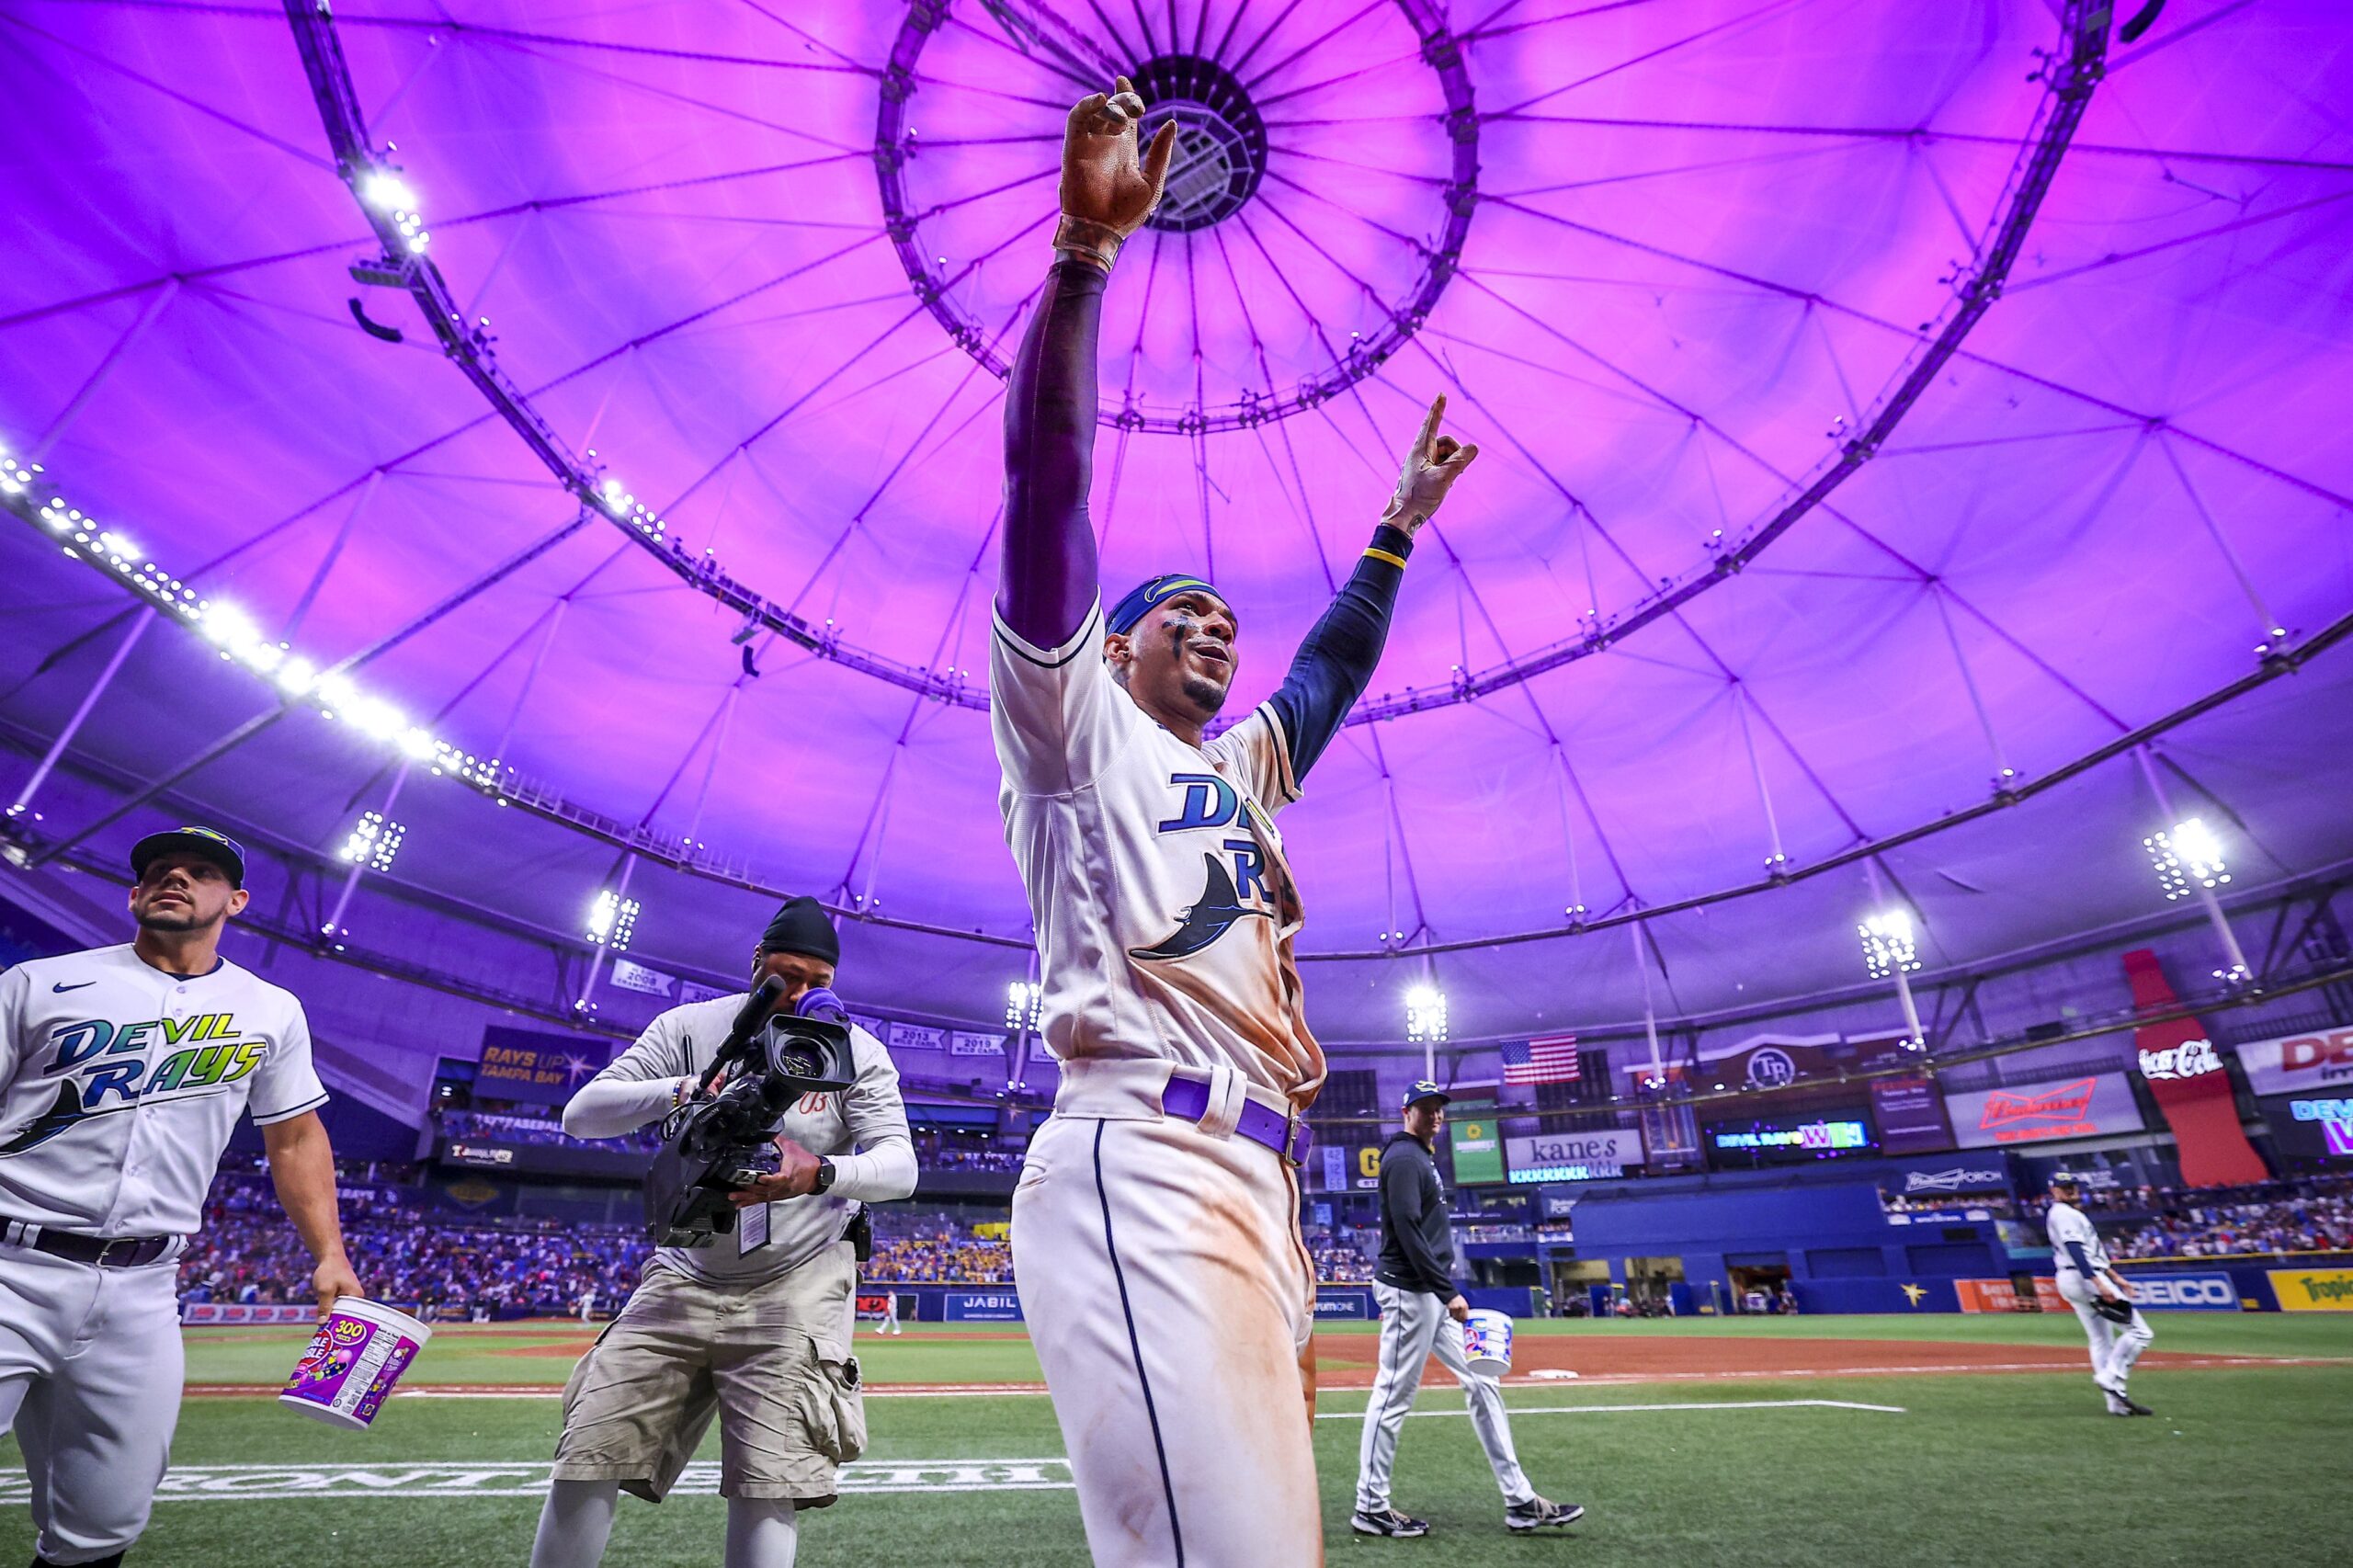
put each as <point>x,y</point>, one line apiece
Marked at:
<point>642,1084</point>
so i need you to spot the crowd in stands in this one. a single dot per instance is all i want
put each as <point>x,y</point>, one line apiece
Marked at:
<point>452,1266</point>
<point>926,1249</point>
<point>2225,1221</point>
<point>497,1127</point>
<point>949,1150</point>
<point>1341,1258</point>
<point>1998,1204</point>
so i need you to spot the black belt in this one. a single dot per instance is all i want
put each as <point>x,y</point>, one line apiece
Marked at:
<point>106,1252</point>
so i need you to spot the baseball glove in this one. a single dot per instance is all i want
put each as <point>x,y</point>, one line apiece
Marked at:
<point>2113,1309</point>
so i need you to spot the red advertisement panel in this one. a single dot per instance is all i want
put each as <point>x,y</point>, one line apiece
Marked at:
<point>2184,1072</point>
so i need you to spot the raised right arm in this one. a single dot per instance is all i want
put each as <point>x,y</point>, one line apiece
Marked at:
<point>1048,580</point>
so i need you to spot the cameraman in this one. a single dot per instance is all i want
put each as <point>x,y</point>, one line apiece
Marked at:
<point>756,1325</point>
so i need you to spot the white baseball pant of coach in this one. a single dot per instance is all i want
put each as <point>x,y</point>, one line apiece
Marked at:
<point>90,1374</point>
<point>1170,1300</point>
<point>2114,1348</point>
<point>1414,1324</point>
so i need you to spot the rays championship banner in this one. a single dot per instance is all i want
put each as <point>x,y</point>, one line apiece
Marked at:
<point>2092,1106</point>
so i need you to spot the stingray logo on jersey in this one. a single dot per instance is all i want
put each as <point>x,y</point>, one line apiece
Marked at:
<point>1209,803</point>
<point>110,1070</point>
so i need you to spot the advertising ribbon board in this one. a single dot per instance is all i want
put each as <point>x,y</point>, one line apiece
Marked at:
<point>2312,1290</point>
<point>2095,1105</point>
<point>521,1064</point>
<point>1573,1156</point>
<point>1476,1144</point>
<point>984,1306</point>
<point>2184,1073</point>
<point>2316,1064</point>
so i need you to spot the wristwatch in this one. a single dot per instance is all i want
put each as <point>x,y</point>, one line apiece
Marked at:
<point>825,1175</point>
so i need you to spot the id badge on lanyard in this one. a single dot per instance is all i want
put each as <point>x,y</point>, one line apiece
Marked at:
<point>751,1229</point>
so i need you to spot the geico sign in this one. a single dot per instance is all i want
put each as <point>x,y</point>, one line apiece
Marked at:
<point>2192,1059</point>
<point>2210,1292</point>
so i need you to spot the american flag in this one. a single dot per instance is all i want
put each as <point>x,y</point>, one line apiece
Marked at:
<point>1550,1060</point>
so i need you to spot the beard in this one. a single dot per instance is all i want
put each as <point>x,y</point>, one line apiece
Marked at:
<point>181,917</point>
<point>1204,694</point>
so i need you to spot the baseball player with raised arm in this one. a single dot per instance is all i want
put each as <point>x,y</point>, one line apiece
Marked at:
<point>1422,1312</point>
<point>1155,1223</point>
<point>2101,1297</point>
<point>122,1070</point>
<point>755,1327</point>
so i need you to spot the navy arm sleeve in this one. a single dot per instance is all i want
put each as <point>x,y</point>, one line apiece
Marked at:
<point>1048,578</point>
<point>2083,1264</point>
<point>1336,662</point>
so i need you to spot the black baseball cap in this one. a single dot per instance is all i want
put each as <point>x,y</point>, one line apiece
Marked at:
<point>1422,1089</point>
<point>206,843</point>
<point>2065,1178</point>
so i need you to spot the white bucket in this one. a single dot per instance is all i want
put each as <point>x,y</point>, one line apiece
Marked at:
<point>1486,1342</point>
<point>358,1352</point>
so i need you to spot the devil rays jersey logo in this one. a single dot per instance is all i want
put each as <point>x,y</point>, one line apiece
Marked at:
<point>1226,896</point>
<point>96,1086</point>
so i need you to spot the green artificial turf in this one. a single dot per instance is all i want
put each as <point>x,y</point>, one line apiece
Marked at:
<point>1980,1467</point>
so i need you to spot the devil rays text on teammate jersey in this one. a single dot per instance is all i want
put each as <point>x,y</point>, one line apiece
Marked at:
<point>85,1037</point>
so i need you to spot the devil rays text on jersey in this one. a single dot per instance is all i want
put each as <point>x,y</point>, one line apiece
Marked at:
<point>96,1078</point>
<point>1210,802</point>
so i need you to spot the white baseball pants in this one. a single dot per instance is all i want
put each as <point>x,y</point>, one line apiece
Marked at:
<point>1170,1299</point>
<point>1413,1324</point>
<point>90,1374</point>
<point>2114,1348</point>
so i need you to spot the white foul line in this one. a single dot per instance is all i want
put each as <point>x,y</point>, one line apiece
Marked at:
<point>1516,1411</point>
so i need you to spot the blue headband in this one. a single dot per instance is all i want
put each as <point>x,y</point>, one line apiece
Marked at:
<point>1153,591</point>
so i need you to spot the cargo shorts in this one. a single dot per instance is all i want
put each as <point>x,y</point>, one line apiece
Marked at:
<point>771,1360</point>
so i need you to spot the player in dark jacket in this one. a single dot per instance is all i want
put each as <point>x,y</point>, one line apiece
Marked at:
<point>1422,1312</point>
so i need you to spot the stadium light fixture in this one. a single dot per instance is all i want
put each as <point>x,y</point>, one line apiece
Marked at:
<point>611,920</point>
<point>235,632</point>
<point>1891,951</point>
<point>1888,946</point>
<point>1425,1015</point>
<point>1024,1001</point>
<point>387,193</point>
<point>2187,858</point>
<point>374,840</point>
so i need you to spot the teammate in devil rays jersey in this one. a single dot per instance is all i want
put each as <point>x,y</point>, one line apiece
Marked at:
<point>1155,1233</point>
<point>122,1070</point>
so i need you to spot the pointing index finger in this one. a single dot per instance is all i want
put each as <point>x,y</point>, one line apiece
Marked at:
<point>1430,426</point>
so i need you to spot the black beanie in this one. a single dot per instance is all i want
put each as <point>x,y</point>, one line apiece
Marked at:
<point>801,926</point>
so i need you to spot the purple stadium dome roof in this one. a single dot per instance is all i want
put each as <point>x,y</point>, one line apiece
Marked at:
<point>1907,442</point>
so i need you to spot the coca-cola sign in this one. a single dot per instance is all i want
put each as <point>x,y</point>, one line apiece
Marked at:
<point>2193,1059</point>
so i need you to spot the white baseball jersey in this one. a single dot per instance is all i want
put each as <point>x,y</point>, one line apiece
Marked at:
<point>2066,1223</point>
<point>1164,906</point>
<point>119,1085</point>
<point>771,1238</point>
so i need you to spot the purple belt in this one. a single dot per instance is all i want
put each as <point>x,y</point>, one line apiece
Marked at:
<point>1286,1135</point>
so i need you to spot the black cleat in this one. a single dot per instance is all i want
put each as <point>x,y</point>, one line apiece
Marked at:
<point>1389,1522</point>
<point>2133,1406</point>
<point>1538,1514</point>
